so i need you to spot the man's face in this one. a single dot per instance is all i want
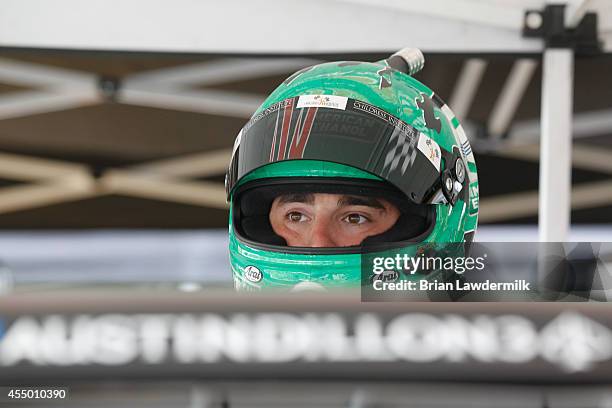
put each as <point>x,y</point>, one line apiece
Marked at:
<point>330,220</point>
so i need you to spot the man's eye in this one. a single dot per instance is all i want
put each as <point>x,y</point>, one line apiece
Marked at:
<point>355,219</point>
<point>295,216</point>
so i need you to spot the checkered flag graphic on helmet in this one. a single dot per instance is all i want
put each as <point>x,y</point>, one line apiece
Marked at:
<point>403,152</point>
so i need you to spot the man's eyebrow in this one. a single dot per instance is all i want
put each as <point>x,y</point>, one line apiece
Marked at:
<point>306,198</point>
<point>359,200</point>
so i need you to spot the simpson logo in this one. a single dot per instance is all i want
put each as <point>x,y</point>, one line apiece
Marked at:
<point>430,149</point>
<point>322,101</point>
<point>253,274</point>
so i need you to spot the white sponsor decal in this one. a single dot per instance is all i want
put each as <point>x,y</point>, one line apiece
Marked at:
<point>430,149</point>
<point>447,111</point>
<point>466,151</point>
<point>308,286</point>
<point>570,341</point>
<point>322,101</point>
<point>253,274</point>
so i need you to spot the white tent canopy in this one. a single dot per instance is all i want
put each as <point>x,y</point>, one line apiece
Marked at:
<point>281,26</point>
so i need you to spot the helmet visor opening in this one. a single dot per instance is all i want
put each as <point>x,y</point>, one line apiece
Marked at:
<point>253,201</point>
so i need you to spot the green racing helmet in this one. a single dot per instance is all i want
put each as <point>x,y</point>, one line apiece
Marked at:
<point>357,128</point>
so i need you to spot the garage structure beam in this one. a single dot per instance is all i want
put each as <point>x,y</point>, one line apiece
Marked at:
<point>556,144</point>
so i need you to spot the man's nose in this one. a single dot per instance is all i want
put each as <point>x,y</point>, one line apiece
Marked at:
<point>322,235</point>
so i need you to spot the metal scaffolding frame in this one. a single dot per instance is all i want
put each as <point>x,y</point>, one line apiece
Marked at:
<point>556,144</point>
<point>284,28</point>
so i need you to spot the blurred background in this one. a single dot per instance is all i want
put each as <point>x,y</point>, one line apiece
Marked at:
<point>117,119</point>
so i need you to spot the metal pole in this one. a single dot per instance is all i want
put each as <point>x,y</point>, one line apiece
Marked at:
<point>556,145</point>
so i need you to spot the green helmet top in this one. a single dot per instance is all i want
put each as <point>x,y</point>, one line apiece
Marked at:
<point>344,125</point>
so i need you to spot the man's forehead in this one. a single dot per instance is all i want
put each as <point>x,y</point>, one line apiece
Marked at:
<point>307,198</point>
<point>343,199</point>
